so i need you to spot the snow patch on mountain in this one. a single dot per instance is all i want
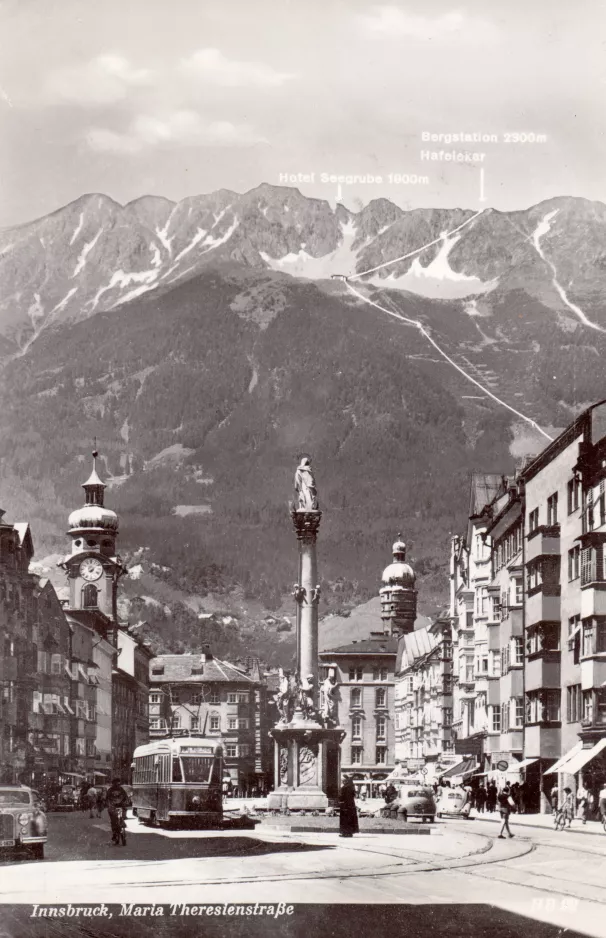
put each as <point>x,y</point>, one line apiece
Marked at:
<point>540,231</point>
<point>84,254</point>
<point>437,280</point>
<point>341,260</point>
<point>77,229</point>
<point>63,303</point>
<point>121,280</point>
<point>156,255</point>
<point>211,242</point>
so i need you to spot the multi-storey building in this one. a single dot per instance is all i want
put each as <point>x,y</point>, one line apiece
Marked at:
<point>130,699</point>
<point>545,613</point>
<point>503,667</point>
<point>565,608</point>
<point>424,704</point>
<point>201,694</point>
<point>365,673</point>
<point>470,610</point>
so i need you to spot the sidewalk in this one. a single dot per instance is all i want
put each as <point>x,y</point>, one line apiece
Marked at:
<point>544,821</point>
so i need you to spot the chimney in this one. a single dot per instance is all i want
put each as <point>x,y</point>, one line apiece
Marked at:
<point>206,653</point>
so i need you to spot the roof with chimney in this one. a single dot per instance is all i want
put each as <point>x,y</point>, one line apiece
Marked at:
<point>197,669</point>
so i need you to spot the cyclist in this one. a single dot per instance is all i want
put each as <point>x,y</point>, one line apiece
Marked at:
<point>117,801</point>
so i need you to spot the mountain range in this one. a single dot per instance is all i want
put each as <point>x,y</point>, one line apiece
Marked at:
<point>205,346</point>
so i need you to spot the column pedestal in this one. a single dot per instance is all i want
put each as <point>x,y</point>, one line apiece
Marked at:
<point>307,766</point>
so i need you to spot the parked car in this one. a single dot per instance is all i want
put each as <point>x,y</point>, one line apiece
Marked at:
<point>412,801</point>
<point>23,825</point>
<point>454,802</point>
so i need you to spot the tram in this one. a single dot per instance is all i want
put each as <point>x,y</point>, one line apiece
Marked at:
<point>179,781</point>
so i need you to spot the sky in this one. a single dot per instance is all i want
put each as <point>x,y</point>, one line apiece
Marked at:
<point>135,97</point>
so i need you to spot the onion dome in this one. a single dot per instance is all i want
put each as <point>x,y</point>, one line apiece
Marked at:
<point>399,573</point>
<point>94,516</point>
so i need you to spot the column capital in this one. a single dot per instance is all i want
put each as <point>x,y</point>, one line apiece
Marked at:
<point>306,523</point>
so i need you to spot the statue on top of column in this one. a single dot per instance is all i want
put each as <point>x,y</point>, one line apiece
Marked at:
<point>305,487</point>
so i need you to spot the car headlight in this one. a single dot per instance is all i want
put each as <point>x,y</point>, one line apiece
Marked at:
<point>24,819</point>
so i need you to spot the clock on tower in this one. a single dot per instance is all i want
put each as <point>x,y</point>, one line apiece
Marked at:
<point>93,567</point>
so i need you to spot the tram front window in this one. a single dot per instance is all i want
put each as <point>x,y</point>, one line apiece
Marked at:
<point>196,768</point>
<point>177,774</point>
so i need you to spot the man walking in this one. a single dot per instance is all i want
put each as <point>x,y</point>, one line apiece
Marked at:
<point>506,806</point>
<point>91,794</point>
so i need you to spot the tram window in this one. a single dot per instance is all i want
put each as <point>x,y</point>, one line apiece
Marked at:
<point>177,776</point>
<point>197,769</point>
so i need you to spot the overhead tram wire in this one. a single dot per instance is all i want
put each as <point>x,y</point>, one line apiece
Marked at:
<point>418,325</point>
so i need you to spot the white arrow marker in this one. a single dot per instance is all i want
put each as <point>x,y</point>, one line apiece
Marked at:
<point>339,193</point>
<point>482,196</point>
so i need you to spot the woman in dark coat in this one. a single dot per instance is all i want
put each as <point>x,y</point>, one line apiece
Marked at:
<point>348,815</point>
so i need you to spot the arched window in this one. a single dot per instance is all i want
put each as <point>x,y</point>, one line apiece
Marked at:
<point>89,596</point>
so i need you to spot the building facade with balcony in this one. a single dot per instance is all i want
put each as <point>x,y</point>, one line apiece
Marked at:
<point>471,610</point>
<point>202,695</point>
<point>565,606</point>
<point>424,709</point>
<point>504,667</point>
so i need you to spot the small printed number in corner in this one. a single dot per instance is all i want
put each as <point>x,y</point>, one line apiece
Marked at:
<point>565,904</point>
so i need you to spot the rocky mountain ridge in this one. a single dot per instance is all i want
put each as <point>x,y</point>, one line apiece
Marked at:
<point>94,254</point>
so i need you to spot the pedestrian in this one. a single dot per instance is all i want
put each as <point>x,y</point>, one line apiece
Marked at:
<point>568,806</point>
<point>554,798</point>
<point>117,801</point>
<point>100,801</point>
<point>83,795</point>
<point>390,793</point>
<point>348,815</point>
<point>91,795</point>
<point>602,802</point>
<point>582,803</point>
<point>523,798</point>
<point>506,806</point>
<point>481,799</point>
<point>491,797</point>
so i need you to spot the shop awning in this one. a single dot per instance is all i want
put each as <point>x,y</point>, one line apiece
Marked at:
<point>581,759</point>
<point>516,766</point>
<point>557,766</point>
<point>467,767</point>
<point>100,774</point>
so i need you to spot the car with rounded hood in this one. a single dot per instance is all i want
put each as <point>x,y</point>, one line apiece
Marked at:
<point>23,825</point>
<point>413,800</point>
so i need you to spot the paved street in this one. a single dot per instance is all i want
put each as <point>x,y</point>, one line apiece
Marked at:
<point>541,874</point>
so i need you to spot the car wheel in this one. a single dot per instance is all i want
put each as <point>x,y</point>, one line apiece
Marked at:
<point>37,851</point>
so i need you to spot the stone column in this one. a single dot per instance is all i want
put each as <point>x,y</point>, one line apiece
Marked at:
<point>306,525</point>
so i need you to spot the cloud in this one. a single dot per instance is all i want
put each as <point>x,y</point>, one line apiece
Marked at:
<point>106,79</point>
<point>180,128</point>
<point>395,22</point>
<point>212,66</point>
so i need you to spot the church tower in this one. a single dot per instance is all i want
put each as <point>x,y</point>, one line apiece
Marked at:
<point>93,567</point>
<point>398,593</point>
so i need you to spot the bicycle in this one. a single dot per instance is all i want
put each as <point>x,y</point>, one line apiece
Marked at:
<point>121,828</point>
